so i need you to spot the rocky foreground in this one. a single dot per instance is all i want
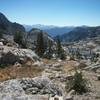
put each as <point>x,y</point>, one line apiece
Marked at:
<point>43,88</point>
<point>28,89</point>
<point>27,77</point>
<point>50,84</point>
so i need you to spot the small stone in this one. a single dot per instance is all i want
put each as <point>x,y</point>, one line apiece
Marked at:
<point>69,98</point>
<point>56,98</point>
<point>32,90</point>
<point>1,43</point>
<point>98,77</point>
<point>17,64</point>
<point>57,65</point>
<point>69,77</point>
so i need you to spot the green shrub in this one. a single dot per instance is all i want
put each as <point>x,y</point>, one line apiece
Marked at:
<point>82,65</point>
<point>78,54</point>
<point>77,83</point>
<point>3,65</point>
<point>1,35</point>
<point>94,58</point>
<point>72,57</point>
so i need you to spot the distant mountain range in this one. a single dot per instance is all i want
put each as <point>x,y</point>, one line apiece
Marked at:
<point>50,29</point>
<point>67,34</point>
<point>39,26</point>
<point>81,33</point>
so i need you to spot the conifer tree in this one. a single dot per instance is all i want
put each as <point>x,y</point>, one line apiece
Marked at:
<point>40,44</point>
<point>49,50</point>
<point>1,35</point>
<point>18,37</point>
<point>60,51</point>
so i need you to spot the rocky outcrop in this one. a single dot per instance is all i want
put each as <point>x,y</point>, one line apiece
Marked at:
<point>28,88</point>
<point>40,85</point>
<point>33,34</point>
<point>11,55</point>
<point>9,58</point>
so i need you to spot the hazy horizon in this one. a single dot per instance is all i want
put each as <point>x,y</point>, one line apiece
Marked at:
<point>52,12</point>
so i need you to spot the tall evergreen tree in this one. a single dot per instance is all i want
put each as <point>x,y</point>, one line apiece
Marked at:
<point>18,37</point>
<point>60,51</point>
<point>40,44</point>
<point>49,50</point>
<point>21,39</point>
<point>49,46</point>
<point>59,48</point>
<point>1,34</point>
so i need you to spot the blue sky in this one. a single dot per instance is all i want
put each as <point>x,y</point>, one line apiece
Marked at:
<point>52,12</point>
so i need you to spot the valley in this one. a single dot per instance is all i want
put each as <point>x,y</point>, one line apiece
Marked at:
<point>35,66</point>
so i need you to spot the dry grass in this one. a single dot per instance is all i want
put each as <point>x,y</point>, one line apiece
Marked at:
<point>28,70</point>
<point>47,61</point>
<point>12,72</point>
<point>25,70</point>
<point>69,66</point>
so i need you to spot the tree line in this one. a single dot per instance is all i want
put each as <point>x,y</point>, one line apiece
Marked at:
<point>41,48</point>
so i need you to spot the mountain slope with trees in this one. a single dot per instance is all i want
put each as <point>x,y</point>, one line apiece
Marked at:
<point>81,33</point>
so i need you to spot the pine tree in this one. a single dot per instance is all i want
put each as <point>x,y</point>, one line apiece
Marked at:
<point>60,51</point>
<point>59,48</point>
<point>78,83</point>
<point>1,35</point>
<point>49,50</point>
<point>18,37</point>
<point>21,39</point>
<point>40,44</point>
<point>50,46</point>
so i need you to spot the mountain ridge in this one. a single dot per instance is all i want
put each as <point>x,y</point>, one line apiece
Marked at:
<point>81,33</point>
<point>51,29</point>
<point>8,27</point>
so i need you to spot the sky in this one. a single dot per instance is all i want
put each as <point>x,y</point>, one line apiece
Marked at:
<point>52,12</point>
